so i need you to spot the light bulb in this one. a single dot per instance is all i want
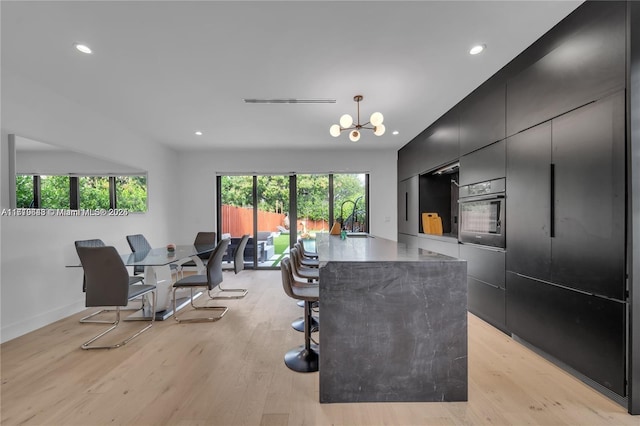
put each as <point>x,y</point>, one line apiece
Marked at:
<point>334,130</point>
<point>354,136</point>
<point>346,121</point>
<point>379,130</point>
<point>376,118</point>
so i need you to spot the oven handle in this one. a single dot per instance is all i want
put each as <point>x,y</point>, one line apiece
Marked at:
<point>500,196</point>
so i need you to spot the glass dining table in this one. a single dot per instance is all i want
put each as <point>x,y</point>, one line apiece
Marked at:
<point>157,271</point>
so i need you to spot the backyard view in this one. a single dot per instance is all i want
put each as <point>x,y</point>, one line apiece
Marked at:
<point>272,202</point>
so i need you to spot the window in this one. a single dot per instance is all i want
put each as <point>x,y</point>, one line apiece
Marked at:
<point>85,192</point>
<point>54,192</point>
<point>94,192</point>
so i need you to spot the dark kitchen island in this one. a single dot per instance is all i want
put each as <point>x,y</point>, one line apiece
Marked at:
<point>394,322</point>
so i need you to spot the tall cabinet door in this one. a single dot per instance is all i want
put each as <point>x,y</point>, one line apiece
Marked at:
<point>588,154</point>
<point>528,207</point>
<point>408,194</point>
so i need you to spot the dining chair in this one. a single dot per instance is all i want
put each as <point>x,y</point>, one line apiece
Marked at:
<point>139,244</point>
<point>303,359</point>
<point>236,266</point>
<point>202,239</point>
<point>107,280</point>
<point>209,281</point>
<point>132,280</point>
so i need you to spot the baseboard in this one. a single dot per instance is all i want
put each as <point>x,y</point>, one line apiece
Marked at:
<point>11,331</point>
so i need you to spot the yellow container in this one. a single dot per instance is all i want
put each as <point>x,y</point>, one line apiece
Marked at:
<point>431,223</point>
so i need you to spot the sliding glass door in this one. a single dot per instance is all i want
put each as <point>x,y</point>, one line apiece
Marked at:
<point>257,206</point>
<point>277,210</point>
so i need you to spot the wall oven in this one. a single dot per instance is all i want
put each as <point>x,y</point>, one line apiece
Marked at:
<point>482,213</point>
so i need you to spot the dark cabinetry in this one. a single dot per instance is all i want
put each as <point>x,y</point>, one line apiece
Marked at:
<point>565,199</point>
<point>584,67</point>
<point>565,239</point>
<point>435,146</point>
<point>482,117</point>
<point>486,283</point>
<point>529,202</point>
<point>586,332</point>
<point>408,206</point>
<point>485,164</point>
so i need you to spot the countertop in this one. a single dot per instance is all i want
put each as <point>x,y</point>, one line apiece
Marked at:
<point>366,248</point>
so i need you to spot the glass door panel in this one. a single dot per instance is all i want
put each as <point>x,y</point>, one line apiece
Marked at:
<point>236,214</point>
<point>272,219</point>
<point>350,201</point>
<point>312,207</point>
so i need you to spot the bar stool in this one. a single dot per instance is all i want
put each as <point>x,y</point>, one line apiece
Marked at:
<point>299,270</point>
<point>304,260</point>
<point>309,254</point>
<point>303,359</point>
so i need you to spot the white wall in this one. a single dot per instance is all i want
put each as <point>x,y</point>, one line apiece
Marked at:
<point>36,288</point>
<point>197,210</point>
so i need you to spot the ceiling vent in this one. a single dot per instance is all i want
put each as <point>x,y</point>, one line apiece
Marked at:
<point>289,101</point>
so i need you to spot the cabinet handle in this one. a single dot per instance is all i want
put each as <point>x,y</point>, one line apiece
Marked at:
<point>406,206</point>
<point>552,205</point>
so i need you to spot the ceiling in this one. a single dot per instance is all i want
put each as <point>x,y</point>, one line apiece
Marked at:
<point>164,69</point>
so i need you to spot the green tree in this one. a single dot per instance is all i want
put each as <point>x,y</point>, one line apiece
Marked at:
<point>131,193</point>
<point>54,192</point>
<point>94,192</point>
<point>24,191</point>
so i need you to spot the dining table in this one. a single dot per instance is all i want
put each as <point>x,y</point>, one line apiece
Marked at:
<point>157,264</point>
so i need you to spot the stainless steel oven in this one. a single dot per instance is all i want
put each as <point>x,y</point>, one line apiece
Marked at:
<point>482,213</point>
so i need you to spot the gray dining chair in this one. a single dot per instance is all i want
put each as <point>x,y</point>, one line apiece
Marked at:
<point>236,266</point>
<point>107,280</point>
<point>139,244</point>
<point>202,239</point>
<point>132,280</point>
<point>208,281</point>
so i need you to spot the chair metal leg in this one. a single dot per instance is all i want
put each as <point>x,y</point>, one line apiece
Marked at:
<point>304,359</point>
<point>224,310</point>
<point>87,319</point>
<point>87,344</point>
<point>234,290</point>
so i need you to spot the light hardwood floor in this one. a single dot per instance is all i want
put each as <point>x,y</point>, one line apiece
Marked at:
<point>231,372</point>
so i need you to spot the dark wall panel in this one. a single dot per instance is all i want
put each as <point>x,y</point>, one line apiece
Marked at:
<point>587,65</point>
<point>434,147</point>
<point>485,164</point>
<point>583,331</point>
<point>529,202</point>
<point>484,264</point>
<point>482,116</point>
<point>588,153</point>
<point>487,302</point>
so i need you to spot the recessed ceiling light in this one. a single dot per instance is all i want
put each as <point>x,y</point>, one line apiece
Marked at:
<point>198,133</point>
<point>478,48</point>
<point>395,132</point>
<point>83,48</point>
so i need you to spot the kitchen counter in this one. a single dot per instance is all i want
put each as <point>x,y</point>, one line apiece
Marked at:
<point>393,322</point>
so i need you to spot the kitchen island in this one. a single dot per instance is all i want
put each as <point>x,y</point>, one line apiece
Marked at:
<point>394,322</point>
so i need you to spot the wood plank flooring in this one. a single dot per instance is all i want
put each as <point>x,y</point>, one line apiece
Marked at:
<point>231,372</point>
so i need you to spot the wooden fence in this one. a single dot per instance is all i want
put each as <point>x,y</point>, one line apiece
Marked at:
<point>238,221</point>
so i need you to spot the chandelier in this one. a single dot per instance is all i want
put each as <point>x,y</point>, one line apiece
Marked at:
<point>346,123</point>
